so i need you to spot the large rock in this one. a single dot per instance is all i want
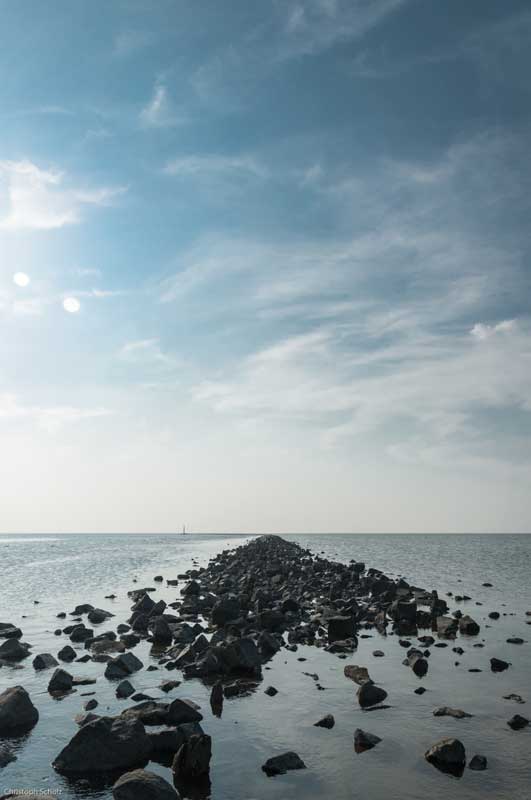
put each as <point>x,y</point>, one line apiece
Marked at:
<point>122,666</point>
<point>225,610</point>
<point>370,695</point>
<point>359,675</point>
<point>44,661</point>
<point>13,650</point>
<point>98,615</point>
<point>143,785</point>
<point>499,665</point>
<point>124,689</point>
<point>17,712</point>
<point>192,760</point>
<point>181,711</point>
<point>61,681</point>
<point>340,628</point>
<point>448,755</point>
<point>9,631</point>
<point>468,626</point>
<point>279,765</point>
<point>105,745</point>
<point>67,653</point>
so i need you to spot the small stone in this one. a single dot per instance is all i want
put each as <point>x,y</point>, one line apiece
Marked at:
<point>478,763</point>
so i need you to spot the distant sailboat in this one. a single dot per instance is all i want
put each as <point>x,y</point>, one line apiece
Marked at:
<point>184,530</point>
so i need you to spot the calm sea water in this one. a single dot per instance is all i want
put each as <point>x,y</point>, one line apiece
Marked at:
<point>61,571</point>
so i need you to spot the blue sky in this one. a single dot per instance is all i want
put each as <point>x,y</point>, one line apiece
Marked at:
<point>297,232</point>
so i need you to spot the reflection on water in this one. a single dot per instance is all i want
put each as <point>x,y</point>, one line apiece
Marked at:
<point>253,728</point>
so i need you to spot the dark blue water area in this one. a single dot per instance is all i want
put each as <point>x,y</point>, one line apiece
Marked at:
<point>64,570</point>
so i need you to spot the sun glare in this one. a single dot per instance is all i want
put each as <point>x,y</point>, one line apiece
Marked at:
<point>71,304</point>
<point>21,279</point>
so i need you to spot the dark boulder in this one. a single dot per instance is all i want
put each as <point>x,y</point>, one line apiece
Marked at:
<point>225,610</point>
<point>124,689</point>
<point>9,631</point>
<point>370,695</point>
<point>13,650</point>
<point>192,760</point>
<point>364,740</point>
<point>327,721</point>
<point>498,665</point>
<point>279,765</point>
<point>143,785</point>
<point>518,722</point>
<point>468,626</point>
<point>122,666</point>
<point>61,681</point>
<point>478,763</point>
<point>44,661</point>
<point>340,628</point>
<point>66,654</point>
<point>104,745</point>
<point>17,712</point>
<point>181,711</point>
<point>448,755</point>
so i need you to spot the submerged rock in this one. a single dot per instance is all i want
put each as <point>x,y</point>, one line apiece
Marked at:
<point>518,722</point>
<point>446,711</point>
<point>477,763</point>
<point>364,740</point>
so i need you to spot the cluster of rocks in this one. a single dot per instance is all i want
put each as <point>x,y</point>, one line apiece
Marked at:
<point>231,618</point>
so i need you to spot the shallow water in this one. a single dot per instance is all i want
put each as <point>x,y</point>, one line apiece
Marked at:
<point>62,571</point>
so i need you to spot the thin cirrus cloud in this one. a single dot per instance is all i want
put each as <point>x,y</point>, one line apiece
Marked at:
<point>41,199</point>
<point>160,111</point>
<point>215,165</point>
<point>147,353</point>
<point>50,418</point>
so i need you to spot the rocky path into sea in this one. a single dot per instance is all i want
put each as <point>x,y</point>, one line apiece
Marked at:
<point>229,627</point>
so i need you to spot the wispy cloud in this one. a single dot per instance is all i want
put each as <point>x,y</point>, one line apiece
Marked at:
<point>160,112</point>
<point>198,165</point>
<point>41,199</point>
<point>144,352</point>
<point>310,26</point>
<point>50,418</point>
<point>128,42</point>
<point>394,332</point>
<point>482,331</point>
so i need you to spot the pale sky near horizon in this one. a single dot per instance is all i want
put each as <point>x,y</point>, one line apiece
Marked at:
<point>264,266</point>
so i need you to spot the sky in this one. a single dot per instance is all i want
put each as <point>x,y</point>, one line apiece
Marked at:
<point>265,266</point>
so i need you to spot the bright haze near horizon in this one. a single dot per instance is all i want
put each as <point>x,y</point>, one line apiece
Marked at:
<point>264,266</point>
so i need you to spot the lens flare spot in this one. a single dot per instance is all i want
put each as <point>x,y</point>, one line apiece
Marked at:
<point>71,304</point>
<point>21,279</point>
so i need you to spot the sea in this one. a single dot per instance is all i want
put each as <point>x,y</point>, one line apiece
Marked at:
<point>41,576</point>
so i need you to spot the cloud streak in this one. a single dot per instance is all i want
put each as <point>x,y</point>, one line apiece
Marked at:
<point>40,199</point>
